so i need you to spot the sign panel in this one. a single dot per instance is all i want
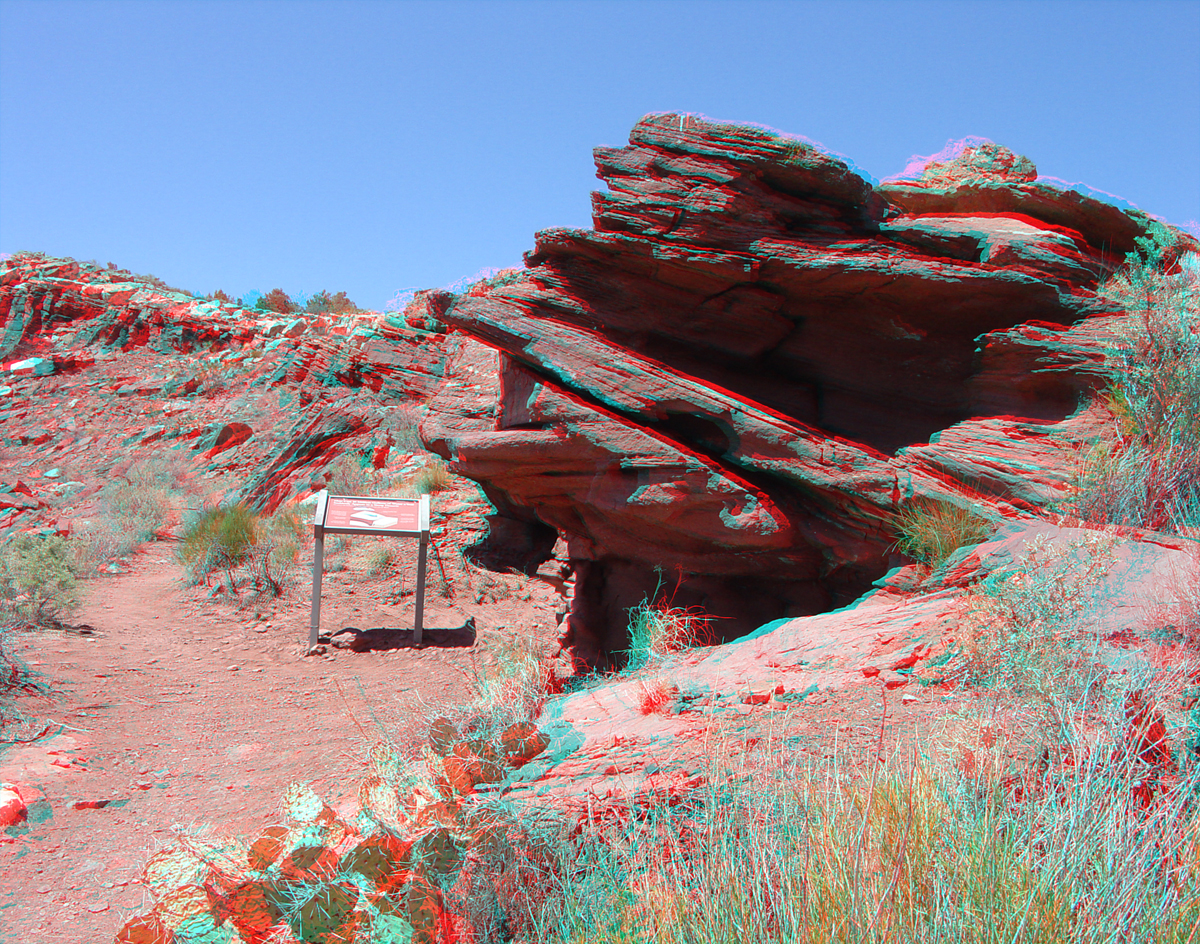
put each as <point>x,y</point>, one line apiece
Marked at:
<point>351,514</point>
<point>383,517</point>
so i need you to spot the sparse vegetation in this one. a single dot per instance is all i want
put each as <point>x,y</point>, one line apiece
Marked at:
<point>324,302</point>
<point>37,580</point>
<point>930,531</point>
<point>1024,630</point>
<point>433,478</point>
<point>402,423</point>
<point>353,474</point>
<point>277,300</point>
<point>1146,473</point>
<point>656,630</point>
<point>1089,847</point>
<point>274,556</point>
<point>233,537</point>
<point>217,539</point>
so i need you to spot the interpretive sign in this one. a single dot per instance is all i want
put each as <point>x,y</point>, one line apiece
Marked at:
<point>382,517</point>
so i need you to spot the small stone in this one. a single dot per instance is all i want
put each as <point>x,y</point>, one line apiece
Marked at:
<point>908,698</point>
<point>91,804</point>
<point>12,807</point>
<point>53,473</point>
<point>233,668</point>
<point>892,679</point>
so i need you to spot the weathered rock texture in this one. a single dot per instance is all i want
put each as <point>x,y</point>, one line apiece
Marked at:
<point>727,387</point>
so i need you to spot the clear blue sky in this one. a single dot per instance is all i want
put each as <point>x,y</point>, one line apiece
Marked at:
<point>371,147</point>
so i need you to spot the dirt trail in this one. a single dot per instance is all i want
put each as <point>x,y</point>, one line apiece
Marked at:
<point>183,712</point>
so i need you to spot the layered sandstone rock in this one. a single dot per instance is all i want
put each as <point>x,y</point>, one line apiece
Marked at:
<point>727,387</point>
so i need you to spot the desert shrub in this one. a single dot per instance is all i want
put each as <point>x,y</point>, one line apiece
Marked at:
<point>37,579</point>
<point>273,557</point>
<point>352,474</point>
<point>403,425</point>
<point>434,477</point>
<point>211,378</point>
<point>220,538</point>
<point>133,508</point>
<point>1022,629</point>
<point>930,531</point>
<point>1147,473</point>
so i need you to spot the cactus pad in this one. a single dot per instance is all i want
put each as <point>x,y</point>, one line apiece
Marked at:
<point>443,735</point>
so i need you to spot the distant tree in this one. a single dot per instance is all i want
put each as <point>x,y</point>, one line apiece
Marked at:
<point>341,303</point>
<point>323,301</point>
<point>220,296</point>
<point>277,300</point>
<point>318,302</point>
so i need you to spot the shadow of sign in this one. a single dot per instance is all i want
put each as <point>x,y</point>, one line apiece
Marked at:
<point>380,637</point>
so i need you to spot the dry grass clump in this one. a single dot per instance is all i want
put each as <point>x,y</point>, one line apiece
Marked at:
<point>930,531</point>
<point>134,506</point>
<point>656,630</point>
<point>433,478</point>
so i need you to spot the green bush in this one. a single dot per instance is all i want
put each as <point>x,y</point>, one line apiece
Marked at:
<point>659,629</point>
<point>37,579</point>
<point>1146,473</point>
<point>324,302</point>
<point>217,539</point>
<point>274,555</point>
<point>930,531</point>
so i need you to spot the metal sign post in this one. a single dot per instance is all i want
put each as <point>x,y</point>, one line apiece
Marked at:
<point>382,517</point>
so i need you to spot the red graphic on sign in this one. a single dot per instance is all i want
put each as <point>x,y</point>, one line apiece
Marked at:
<point>374,514</point>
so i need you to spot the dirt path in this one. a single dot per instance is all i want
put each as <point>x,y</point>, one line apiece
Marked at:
<point>180,712</point>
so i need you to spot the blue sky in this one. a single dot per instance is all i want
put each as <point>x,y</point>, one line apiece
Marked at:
<point>372,147</point>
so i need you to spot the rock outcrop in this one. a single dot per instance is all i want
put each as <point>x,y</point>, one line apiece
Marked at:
<point>727,387</point>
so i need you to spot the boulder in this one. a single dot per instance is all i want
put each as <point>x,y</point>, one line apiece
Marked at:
<point>756,357</point>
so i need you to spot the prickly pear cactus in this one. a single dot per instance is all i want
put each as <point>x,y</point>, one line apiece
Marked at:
<point>522,742</point>
<point>327,915</point>
<point>378,859</point>
<point>443,735</point>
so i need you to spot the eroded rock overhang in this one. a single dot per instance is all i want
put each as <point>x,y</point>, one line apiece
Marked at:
<point>756,356</point>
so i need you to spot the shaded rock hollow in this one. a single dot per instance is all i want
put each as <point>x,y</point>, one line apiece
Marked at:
<point>723,391</point>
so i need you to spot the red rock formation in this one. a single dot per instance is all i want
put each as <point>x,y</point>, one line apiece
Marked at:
<point>731,382</point>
